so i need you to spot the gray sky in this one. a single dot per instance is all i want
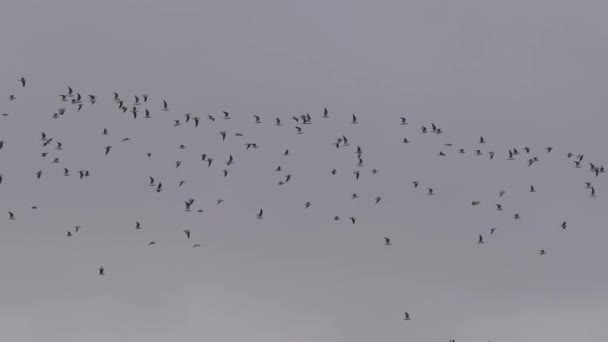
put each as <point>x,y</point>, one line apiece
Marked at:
<point>518,72</point>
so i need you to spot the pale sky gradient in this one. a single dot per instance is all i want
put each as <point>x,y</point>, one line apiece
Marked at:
<point>517,72</point>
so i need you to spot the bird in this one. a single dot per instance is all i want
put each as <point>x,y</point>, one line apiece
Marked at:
<point>102,271</point>
<point>563,225</point>
<point>108,149</point>
<point>137,225</point>
<point>22,80</point>
<point>260,214</point>
<point>387,241</point>
<point>11,215</point>
<point>354,119</point>
<point>188,204</point>
<point>165,106</point>
<point>187,232</point>
<point>403,121</point>
<point>542,252</point>
<point>480,239</point>
<point>406,317</point>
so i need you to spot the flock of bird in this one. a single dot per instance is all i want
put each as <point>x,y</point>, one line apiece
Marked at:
<point>141,107</point>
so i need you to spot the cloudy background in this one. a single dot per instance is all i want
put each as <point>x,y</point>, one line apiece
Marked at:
<point>518,72</point>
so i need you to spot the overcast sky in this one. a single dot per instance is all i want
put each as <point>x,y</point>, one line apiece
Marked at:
<point>520,73</point>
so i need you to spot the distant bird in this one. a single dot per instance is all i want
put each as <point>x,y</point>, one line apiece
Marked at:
<point>101,270</point>
<point>257,119</point>
<point>430,191</point>
<point>108,149</point>
<point>307,205</point>
<point>11,216</point>
<point>352,219</point>
<point>188,204</point>
<point>592,192</point>
<point>152,243</point>
<point>563,225</point>
<point>260,213</point>
<point>492,230</point>
<point>532,189</point>
<point>22,80</point>
<point>406,317</point>
<point>480,239</point>
<point>378,199</point>
<point>325,113</point>
<point>196,245</point>
<point>387,241</point>
<point>542,252</point>
<point>403,121</point>
<point>137,225</point>
<point>354,119</point>
<point>165,106</point>
<point>187,232</point>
